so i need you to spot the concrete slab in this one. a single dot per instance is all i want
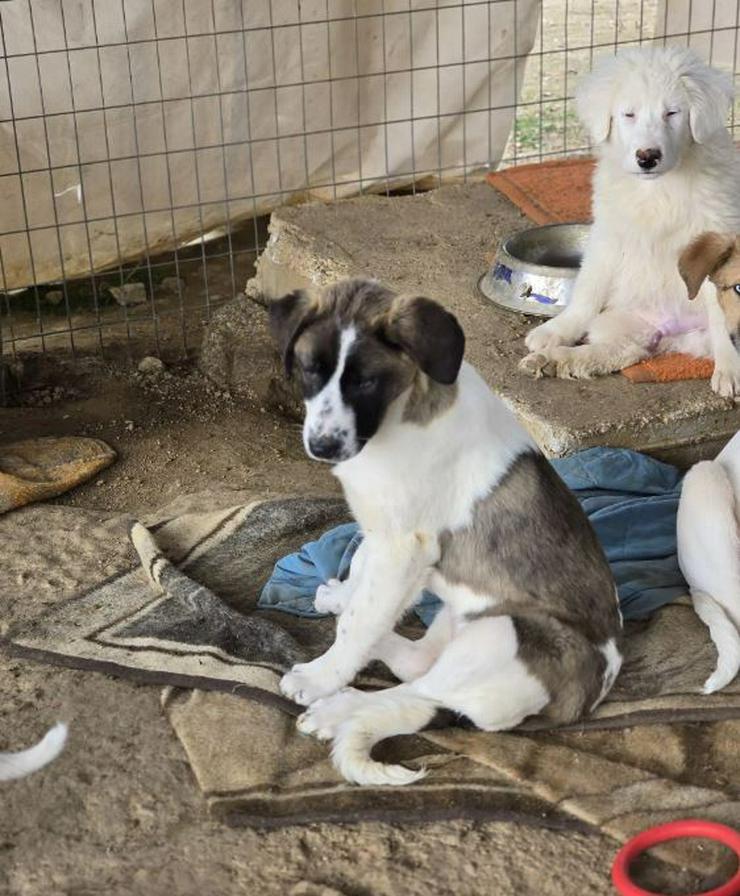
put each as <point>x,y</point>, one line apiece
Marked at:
<point>438,244</point>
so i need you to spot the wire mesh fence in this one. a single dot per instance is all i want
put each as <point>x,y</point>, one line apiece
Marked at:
<point>143,142</point>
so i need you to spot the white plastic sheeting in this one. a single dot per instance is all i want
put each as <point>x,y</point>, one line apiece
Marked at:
<point>710,28</point>
<point>128,127</point>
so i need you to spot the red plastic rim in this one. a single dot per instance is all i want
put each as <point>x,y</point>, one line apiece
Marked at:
<point>690,827</point>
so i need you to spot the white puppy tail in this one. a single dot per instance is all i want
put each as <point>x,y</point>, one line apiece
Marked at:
<point>383,714</point>
<point>726,639</point>
<point>25,762</point>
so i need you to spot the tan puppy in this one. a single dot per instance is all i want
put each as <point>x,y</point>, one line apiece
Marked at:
<point>717,256</point>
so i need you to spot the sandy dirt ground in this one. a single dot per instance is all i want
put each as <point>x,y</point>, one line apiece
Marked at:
<point>119,812</point>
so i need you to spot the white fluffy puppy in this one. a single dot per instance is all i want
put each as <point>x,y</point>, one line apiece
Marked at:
<point>667,171</point>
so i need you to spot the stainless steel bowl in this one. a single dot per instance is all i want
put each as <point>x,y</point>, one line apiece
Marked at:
<point>534,270</point>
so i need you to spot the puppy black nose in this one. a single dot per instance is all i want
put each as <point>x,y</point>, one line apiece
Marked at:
<point>648,158</point>
<point>325,447</point>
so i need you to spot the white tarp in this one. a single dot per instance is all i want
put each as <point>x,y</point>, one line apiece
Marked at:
<point>135,125</point>
<point>710,28</point>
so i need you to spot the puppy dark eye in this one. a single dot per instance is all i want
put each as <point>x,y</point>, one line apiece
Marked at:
<point>367,385</point>
<point>311,368</point>
<point>628,114</point>
<point>671,112</point>
<point>736,287</point>
<point>312,375</point>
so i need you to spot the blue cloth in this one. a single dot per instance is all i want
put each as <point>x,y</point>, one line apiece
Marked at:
<point>630,499</point>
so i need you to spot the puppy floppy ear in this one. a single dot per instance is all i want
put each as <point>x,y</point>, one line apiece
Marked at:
<point>702,257</point>
<point>710,93</point>
<point>595,97</point>
<point>289,316</point>
<point>429,335</point>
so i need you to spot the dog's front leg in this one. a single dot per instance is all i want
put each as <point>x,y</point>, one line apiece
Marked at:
<point>726,375</point>
<point>569,327</point>
<point>394,571</point>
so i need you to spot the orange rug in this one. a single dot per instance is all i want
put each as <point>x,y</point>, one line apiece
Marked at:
<point>549,192</point>
<point>664,368</point>
<point>558,192</point>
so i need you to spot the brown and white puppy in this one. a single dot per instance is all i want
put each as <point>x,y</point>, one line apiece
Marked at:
<point>357,347</point>
<point>716,256</point>
<point>452,495</point>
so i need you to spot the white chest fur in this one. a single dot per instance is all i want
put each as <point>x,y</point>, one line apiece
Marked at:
<point>427,478</point>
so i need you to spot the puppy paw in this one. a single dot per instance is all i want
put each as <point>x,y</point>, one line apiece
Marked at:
<point>726,380</point>
<point>537,365</point>
<point>323,718</point>
<point>571,368</point>
<point>307,682</point>
<point>332,597</point>
<point>543,338</point>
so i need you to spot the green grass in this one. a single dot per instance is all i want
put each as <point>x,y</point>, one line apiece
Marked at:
<point>534,131</point>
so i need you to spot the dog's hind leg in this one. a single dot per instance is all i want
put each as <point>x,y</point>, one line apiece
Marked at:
<point>478,675</point>
<point>584,361</point>
<point>334,596</point>
<point>614,342</point>
<point>409,659</point>
<point>481,676</point>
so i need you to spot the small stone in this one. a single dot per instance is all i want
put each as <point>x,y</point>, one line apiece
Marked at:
<point>172,284</point>
<point>150,365</point>
<point>100,482</point>
<point>308,888</point>
<point>129,294</point>
<point>130,425</point>
<point>54,297</point>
